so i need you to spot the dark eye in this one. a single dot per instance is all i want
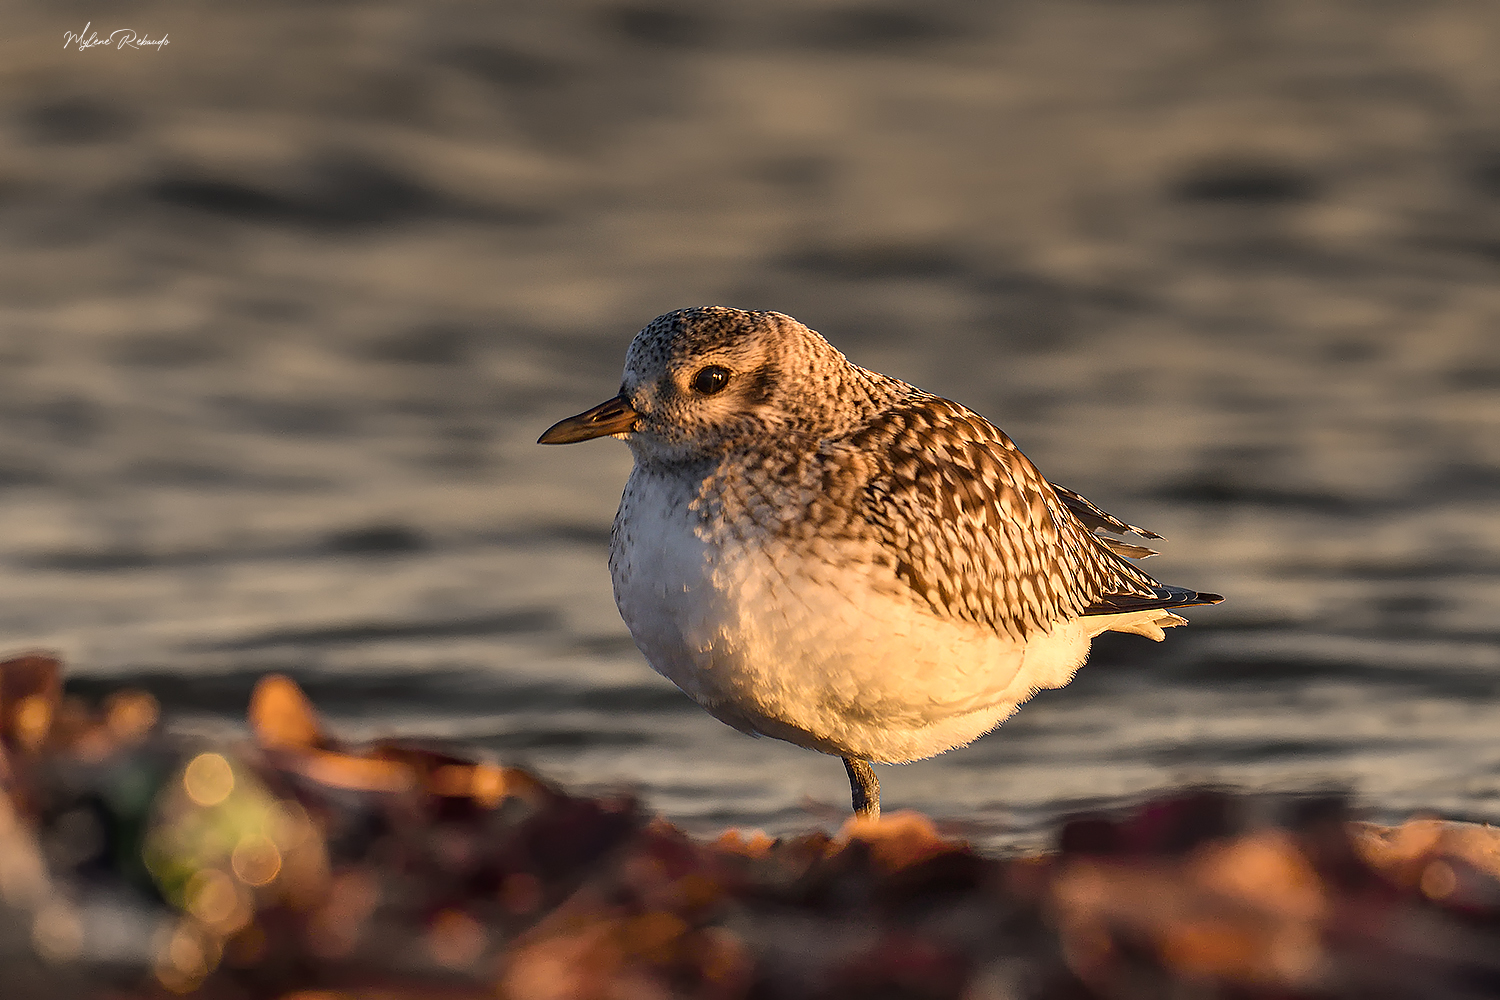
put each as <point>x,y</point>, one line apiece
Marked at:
<point>711,379</point>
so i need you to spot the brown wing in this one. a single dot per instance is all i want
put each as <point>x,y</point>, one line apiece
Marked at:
<point>973,528</point>
<point>1101,521</point>
<point>1098,520</point>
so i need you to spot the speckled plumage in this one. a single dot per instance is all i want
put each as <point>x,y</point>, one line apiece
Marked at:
<point>827,555</point>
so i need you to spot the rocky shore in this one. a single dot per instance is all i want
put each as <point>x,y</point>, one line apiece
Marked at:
<point>135,863</point>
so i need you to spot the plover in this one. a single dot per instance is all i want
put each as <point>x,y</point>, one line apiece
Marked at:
<point>829,556</point>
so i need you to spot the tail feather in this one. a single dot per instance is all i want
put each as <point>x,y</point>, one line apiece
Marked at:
<point>1095,519</point>
<point>1127,549</point>
<point>1151,624</point>
<point>1165,597</point>
<point>1131,609</point>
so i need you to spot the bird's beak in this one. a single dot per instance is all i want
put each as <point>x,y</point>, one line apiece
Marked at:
<point>613,416</point>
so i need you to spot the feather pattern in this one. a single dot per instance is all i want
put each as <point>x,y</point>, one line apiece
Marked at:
<point>824,554</point>
<point>975,530</point>
<point>1097,520</point>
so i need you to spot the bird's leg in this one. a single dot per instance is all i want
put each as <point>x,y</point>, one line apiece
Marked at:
<point>864,787</point>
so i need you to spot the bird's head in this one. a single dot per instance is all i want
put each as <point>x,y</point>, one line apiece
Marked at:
<point>705,380</point>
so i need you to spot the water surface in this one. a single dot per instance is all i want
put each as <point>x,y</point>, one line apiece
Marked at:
<point>277,345</point>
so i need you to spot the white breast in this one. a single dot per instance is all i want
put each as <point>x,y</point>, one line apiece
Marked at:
<point>821,649</point>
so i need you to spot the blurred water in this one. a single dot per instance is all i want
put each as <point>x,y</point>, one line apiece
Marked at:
<point>276,347</point>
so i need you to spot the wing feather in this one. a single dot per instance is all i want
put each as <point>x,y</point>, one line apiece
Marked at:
<point>1094,518</point>
<point>975,530</point>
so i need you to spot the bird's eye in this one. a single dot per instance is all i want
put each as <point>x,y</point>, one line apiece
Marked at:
<point>711,379</point>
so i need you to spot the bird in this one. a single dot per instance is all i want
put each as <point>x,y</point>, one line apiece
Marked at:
<point>822,554</point>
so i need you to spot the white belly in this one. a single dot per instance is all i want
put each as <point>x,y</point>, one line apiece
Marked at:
<point>834,657</point>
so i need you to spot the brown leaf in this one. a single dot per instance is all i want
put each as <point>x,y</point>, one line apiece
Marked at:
<point>282,718</point>
<point>347,770</point>
<point>897,840</point>
<point>755,844</point>
<point>30,690</point>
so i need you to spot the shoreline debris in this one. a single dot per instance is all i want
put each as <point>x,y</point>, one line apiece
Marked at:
<point>135,864</point>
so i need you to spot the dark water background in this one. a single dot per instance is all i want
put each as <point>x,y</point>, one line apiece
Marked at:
<point>285,304</point>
